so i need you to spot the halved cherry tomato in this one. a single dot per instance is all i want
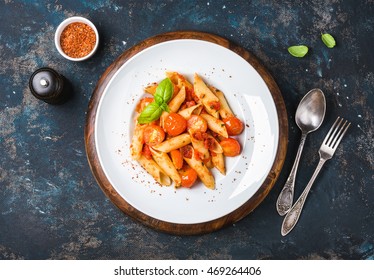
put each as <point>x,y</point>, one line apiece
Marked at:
<point>234,126</point>
<point>153,135</point>
<point>176,158</point>
<point>197,123</point>
<point>143,103</point>
<point>188,176</point>
<point>230,146</point>
<point>175,124</point>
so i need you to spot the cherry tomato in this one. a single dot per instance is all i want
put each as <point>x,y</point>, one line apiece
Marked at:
<point>197,123</point>
<point>143,103</point>
<point>153,135</point>
<point>188,176</point>
<point>234,126</point>
<point>230,146</point>
<point>176,158</point>
<point>175,124</point>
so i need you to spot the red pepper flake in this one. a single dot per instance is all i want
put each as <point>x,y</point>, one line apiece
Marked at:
<point>77,39</point>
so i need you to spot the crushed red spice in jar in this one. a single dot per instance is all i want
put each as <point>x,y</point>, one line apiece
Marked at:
<point>77,39</point>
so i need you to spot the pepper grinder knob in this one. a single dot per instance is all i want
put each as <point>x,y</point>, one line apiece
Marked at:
<point>49,86</point>
<point>44,82</point>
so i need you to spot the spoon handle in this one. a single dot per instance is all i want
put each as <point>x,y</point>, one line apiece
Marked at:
<point>293,215</point>
<point>285,198</point>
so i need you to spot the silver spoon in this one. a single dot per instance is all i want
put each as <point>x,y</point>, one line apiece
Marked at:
<point>309,116</point>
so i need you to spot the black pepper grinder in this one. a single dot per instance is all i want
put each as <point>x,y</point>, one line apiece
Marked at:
<point>48,85</point>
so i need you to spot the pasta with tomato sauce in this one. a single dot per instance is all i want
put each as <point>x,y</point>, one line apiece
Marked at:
<point>182,130</point>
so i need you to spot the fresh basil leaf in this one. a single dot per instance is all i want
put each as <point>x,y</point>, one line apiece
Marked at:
<point>165,107</point>
<point>150,113</point>
<point>153,111</point>
<point>298,51</point>
<point>328,40</point>
<point>164,90</point>
<point>159,100</point>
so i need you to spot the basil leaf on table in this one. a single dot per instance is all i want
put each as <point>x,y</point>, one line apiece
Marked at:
<point>164,90</point>
<point>298,51</point>
<point>328,40</point>
<point>150,113</point>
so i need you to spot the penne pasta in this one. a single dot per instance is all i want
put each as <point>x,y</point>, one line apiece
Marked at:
<point>152,168</point>
<point>215,125</point>
<point>137,142</point>
<point>186,113</point>
<point>151,89</point>
<point>174,104</point>
<point>173,143</point>
<point>202,171</point>
<point>210,101</point>
<point>165,163</point>
<point>177,100</point>
<point>219,162</point>
<point>182,141</point>
<point>209,163</point>
<point>199,146</point>
<point>224,110</point>
<point>179,80</point>
<point>213,145</point>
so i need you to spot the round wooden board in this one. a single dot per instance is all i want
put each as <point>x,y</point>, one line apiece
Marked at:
<point>173,228</point>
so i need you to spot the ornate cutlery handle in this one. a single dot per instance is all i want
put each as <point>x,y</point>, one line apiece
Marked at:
<point>285,198</point>
<point>293,215</point>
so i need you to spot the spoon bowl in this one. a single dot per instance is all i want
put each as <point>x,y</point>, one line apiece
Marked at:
<point>311,111</point>
<point>309,117</point>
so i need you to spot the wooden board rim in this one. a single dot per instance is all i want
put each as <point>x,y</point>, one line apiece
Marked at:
<point>174,228</point>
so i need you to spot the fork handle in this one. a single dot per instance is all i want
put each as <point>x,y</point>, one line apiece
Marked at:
<point>293,215</point>
<point>285,198</point>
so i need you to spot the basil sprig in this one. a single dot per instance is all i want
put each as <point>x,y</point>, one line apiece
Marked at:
<point>153,110</point>
<point>328,40</point>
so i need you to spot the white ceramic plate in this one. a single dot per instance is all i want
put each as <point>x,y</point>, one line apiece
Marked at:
<point>249,98</point>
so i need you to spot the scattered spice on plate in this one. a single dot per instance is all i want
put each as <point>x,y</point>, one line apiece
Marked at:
<point>77,39</point>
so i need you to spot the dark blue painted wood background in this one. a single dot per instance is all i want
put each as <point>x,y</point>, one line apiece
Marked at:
<point>50,204</point>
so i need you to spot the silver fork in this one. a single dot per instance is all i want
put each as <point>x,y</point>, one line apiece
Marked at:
<point>326,151</point>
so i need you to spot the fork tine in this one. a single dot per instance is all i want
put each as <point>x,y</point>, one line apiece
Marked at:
<point>335,133</point>
<point>341,135</point>
<point>329,134</point>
